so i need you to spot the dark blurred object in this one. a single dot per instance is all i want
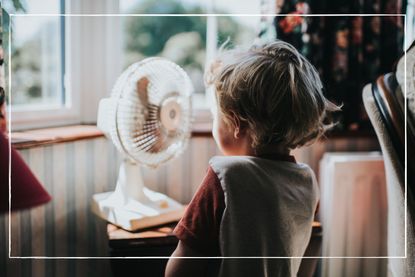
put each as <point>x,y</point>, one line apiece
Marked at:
<point>2,96</point>
<point>310,266</point>
<point>3,119</point>
<point>1,54</point>
<point>156,241</point>
<point>390,103</point>
<point>385,103</point>
<point>348,51</point>
<point>26,190</point>
<point>3,122</point>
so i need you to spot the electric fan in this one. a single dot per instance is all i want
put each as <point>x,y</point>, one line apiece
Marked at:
<point>147,117</point>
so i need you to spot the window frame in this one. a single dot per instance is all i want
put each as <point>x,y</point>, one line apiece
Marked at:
<point>204,115</point>
<point>69,111</point>
<point>83,110</point>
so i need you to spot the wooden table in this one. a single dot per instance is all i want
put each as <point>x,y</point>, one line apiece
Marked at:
<point>160,242</point>
<point>153,242</point>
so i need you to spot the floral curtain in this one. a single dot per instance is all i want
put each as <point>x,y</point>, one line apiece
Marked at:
<point>348,51</point>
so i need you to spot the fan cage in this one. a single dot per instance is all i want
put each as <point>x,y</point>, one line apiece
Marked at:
<point>135,127</point>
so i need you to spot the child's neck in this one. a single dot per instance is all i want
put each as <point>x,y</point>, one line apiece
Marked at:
<point>273,149</point>
<point>245,149</point>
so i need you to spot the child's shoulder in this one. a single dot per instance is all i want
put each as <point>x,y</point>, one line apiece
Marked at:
<point>247,164</point>
<point>230,162</point>
<point>243,173</point>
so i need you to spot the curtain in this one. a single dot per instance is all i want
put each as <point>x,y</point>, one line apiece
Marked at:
<point>348,51</point>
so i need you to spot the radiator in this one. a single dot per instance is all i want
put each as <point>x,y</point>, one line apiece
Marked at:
<point>353,214</point>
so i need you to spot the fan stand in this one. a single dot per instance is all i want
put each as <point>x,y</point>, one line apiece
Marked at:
<point>132,206</point>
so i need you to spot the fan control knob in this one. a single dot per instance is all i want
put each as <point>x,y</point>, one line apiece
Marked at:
<point>170,114</point>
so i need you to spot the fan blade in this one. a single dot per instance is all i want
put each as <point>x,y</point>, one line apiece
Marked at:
<point>142,85</point>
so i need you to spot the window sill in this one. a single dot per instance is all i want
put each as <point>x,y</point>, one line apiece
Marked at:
<point>48,136</point>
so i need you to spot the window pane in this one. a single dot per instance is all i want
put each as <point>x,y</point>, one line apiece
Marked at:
<point>37,60</point>
<point>239,30</point>
<point>162,6</point>
<point>238,7</point>
<point>180,39</point>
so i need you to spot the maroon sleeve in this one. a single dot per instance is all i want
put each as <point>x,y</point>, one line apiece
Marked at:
<point>26,190</point>
<point>199,227</point>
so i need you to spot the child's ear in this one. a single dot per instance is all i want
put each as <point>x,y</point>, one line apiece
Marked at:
<point>236,132</point>
<point>236,122</point>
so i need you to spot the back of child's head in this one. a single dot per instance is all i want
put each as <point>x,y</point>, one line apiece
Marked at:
<point>273,92</point>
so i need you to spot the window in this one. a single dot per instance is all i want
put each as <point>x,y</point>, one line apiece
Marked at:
<point>63,66</point>
<point>242,27</point>
<point>190,41</point>
<point>38,65</point>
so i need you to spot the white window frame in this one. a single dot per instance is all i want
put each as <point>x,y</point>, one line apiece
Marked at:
<point>84,93</point>
<point>49,116</point>
<point>203,115</point>
<point>101,65</point>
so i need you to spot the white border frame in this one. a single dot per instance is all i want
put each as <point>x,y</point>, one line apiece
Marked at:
<point>218,257</point>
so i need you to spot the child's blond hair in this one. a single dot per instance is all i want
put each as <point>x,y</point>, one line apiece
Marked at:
<point>274,92</point>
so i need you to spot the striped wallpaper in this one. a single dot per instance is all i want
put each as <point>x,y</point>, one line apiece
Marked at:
<point>72,172</point>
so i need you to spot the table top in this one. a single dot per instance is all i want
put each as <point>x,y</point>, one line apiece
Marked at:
<point>159,235</point>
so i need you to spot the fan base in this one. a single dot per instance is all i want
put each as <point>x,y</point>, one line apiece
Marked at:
<point>135,215</point>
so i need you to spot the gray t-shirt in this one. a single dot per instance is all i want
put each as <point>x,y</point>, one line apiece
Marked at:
<point>269,210</point>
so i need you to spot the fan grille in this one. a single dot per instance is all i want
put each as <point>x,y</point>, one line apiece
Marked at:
<point>141,93</point>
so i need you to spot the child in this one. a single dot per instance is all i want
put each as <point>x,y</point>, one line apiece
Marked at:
<point>256,201</point>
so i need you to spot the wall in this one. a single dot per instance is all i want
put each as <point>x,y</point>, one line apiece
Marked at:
<point>72,172</point>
